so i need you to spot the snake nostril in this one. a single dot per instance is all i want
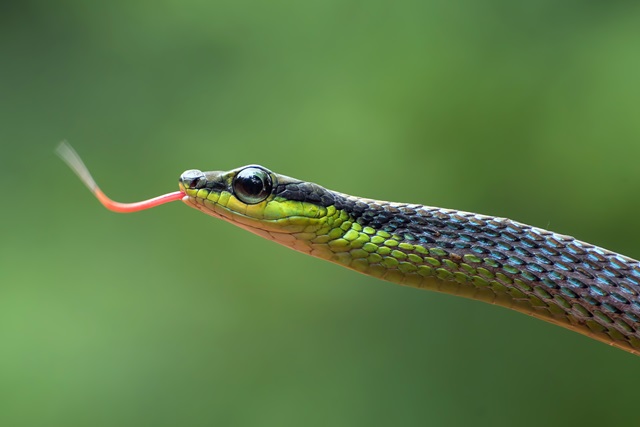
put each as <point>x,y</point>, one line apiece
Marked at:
<point>194,183</point>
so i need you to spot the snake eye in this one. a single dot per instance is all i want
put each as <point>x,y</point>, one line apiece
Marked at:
<point>252,185</point>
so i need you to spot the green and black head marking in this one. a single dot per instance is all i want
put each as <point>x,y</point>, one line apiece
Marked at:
<point>547,275</point>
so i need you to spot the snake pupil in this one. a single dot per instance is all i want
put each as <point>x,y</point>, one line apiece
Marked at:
<point>252,185</point>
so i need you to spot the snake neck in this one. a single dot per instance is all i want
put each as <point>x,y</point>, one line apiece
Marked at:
<point>547,275</point>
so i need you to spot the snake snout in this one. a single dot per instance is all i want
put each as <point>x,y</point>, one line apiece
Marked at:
<point>193,179</point>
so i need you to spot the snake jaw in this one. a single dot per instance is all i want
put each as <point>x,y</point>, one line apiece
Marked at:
<point>274,230</point>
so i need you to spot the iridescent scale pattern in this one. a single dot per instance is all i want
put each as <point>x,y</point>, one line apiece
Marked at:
<point>547,275</point>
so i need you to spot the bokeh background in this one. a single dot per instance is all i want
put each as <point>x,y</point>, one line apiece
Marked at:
<point>524,109</point>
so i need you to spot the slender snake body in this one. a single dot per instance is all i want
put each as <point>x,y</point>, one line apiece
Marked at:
<point>550,276</point>
<point>553,277</point>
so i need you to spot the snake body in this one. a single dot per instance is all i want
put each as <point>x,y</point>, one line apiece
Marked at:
<point>550,276</point>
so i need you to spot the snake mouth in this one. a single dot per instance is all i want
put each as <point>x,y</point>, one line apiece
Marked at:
<point>288,231</point>
<point>285,224</point>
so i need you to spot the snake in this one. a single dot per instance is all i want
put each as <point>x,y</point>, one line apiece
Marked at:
<point>557,278</point>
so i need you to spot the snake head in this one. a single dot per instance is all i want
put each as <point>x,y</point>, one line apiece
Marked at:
<point>254,198</point>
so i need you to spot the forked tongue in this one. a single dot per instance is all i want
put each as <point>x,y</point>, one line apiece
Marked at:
<point>71,158</point>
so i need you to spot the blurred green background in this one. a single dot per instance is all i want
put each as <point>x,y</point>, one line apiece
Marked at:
<point>523,109</point>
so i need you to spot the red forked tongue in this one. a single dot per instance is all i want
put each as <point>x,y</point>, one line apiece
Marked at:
<point>136,206</point>
<point>71,158</point>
